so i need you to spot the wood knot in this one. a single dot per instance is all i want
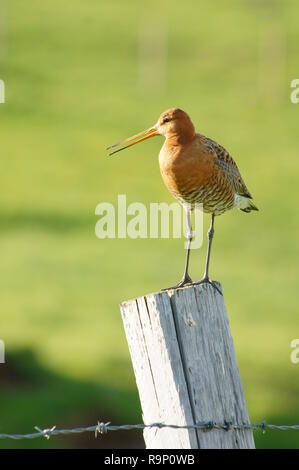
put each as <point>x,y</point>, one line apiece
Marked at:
<point>190,321</point>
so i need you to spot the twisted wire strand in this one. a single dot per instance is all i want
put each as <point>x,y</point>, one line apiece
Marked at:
<point>103,428</point>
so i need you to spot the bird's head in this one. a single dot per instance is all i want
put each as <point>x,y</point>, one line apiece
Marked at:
<point>173,123</point>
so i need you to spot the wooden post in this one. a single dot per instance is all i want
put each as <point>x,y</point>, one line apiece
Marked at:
<point>186,370</point>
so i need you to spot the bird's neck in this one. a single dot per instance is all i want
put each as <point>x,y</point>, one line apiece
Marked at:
<point>175,139</point>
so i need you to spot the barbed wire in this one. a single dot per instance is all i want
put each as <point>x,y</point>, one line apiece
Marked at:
<point>103,428</point>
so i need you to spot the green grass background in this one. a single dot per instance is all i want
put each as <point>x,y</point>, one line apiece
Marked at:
<point>80,75</point>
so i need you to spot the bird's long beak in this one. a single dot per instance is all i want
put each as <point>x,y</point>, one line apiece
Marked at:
<point>151,132</point>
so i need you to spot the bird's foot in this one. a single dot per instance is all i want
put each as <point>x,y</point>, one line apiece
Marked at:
<point>206,280</point>
<point>184,282</point>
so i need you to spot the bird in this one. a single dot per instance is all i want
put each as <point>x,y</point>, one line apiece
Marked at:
<point>196,170</point>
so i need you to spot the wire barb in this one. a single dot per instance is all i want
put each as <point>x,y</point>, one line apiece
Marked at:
<point>45,432</point>
<point>228,425</point>
<point>102,428</point>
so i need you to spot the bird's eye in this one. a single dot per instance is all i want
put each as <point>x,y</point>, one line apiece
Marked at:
<point>166,119</point>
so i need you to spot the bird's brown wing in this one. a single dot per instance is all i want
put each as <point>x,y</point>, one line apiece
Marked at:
<point>228,167</point>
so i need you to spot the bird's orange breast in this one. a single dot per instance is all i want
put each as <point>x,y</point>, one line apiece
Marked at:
<point>186,168</point>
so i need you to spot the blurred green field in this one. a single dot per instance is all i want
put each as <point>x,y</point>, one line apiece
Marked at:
<point>80,75</point>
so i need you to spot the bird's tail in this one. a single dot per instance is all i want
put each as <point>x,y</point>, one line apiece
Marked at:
<point>250,207</point>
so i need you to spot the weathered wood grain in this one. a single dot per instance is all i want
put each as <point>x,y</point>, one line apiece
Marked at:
<point>185,367</point>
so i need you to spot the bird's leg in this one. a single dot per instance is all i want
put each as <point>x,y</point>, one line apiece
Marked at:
<point>206,278</point>
<point>186,278</point>
<point>210,239</point>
